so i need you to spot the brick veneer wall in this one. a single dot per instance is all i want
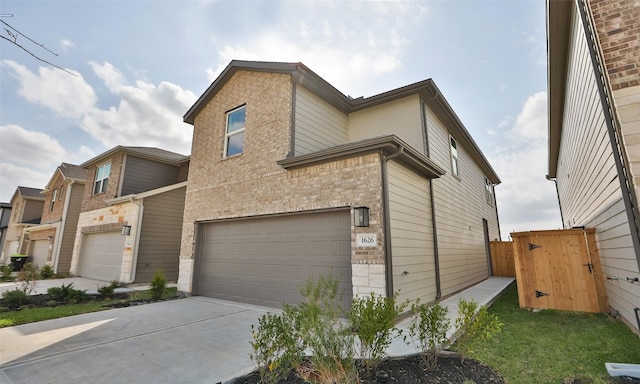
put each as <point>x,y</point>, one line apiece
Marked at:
<point>58,206</point>
<point>253,184</point>
<point>91,201</point>
<point>618,26</point>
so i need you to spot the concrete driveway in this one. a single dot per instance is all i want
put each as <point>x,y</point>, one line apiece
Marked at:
<point>192,340</point>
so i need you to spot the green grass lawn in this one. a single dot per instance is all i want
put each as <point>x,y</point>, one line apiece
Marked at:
<point>554,346</point>
<point>31,315</point>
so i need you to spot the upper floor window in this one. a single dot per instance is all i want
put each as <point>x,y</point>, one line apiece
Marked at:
<point>61,192</point>
<point>54,196</point>
<point>455,170</point>
<point>102,178</point>
<point>488,191</point>
<point>234,136</point>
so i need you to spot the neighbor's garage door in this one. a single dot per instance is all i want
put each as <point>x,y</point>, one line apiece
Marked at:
<point>101,256</point>
<point>265,261</point>
<point>40,252</point>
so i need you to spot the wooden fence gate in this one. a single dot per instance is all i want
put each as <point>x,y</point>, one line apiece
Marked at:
<point>559,270</point>
<point>502,259</point>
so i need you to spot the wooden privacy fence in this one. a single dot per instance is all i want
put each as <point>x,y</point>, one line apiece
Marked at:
<point>559,270</point>
<point>502,259</point>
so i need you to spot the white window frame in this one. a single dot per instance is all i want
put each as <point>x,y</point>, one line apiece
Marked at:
<point>455,157</point>
<point>103,185</point>
<point>228,135</point>
<point>61,192</point>
<point>54,197</point>
<point>489,191</point>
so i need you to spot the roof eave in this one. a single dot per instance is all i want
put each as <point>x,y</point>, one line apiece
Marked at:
<point>558,34</point>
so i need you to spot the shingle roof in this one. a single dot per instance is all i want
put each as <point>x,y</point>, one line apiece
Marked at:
<point>148,152</point>
<point>71,171</point>
<point>30,192</point>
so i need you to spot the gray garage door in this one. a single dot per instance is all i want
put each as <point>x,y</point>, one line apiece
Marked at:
<point>40,252</point>
<point>101,256</point>
<point>265,261</point>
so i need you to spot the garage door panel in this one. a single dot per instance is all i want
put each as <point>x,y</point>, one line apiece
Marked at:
<point>101,256</point>
<point>40,252</point>
<point>271,258</point>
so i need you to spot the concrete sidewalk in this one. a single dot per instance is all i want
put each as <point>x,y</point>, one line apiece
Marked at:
<point>192,340</point>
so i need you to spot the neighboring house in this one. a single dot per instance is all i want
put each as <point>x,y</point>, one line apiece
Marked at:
<point>282,161</point>
<point>26,211</point>
<point>5,217</point>
<point>51,242</point>
<point>594,134</point>
<point>131,216</point>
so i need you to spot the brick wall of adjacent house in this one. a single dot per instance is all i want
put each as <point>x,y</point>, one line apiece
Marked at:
<point>253,184</point>
<point>48,215</point>
<point>618,26</point>
<point>91,201</point>
<point>108,219</point>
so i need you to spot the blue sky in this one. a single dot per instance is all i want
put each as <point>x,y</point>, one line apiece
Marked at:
<point>140,65</point>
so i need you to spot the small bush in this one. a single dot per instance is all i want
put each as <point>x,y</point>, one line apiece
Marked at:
<point>158,285</point>
<point>15,299</point>
<point>46,272</point>
<point>28,278</point>
<point>276,347</point>
<point>372,319</point>
<point>470,325</point>
<point>67,294</point>
<point>6,271</point>
<point>428,330</point>
<point>108,291</point>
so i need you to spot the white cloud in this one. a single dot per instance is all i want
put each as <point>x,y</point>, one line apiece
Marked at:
<point>526,200</point>
<point>66,95</point>
<point>66,45</point>
<point>23,176</point>
<point>35,149</point>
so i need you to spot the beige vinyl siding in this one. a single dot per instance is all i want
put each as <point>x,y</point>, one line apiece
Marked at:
<point>160,236</point>
<point>318,125</point>
<point>142,175</point>
<point>411,235</point>
<point>70,226</point>
<point>399,117</point>
<point>460,205</point>
<point>588,184</point>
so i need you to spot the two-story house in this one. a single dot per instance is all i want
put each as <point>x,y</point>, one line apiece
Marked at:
<point>5,217</point>
<point>290,178</point>
<point>51,242</point>
<point>26,210</point>
<point>131,215</point>
<point>594,134</point>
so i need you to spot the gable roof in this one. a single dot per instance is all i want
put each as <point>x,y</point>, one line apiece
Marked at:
<point>299,73</point>
<point>29,193</point>
<point>69,172</point>
<point>151,153</point>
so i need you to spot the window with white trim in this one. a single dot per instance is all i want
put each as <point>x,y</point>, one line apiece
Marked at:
<point>453,146</point>
<point>61,192</point>
<point>54,196</point>
<point>234,135</point>
<point>102,178</point>
<point>488,191</point>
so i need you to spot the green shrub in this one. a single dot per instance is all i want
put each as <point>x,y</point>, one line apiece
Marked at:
<point>324,335</point>
<point>15,299</point>
<point>372,319</point>
<point>46,272</point>
<point>6,271</point>
<point>67,294</point>
<point>428,331</point>
<point>474,323</point>
<point>108,291</point>
<point>158,285</point>
<point>276,347</point>
<point>28,278</point>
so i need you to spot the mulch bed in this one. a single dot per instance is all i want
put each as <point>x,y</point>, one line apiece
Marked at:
<point>409,370</point>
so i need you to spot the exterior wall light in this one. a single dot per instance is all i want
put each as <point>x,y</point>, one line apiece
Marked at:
<point>49,238</point>
<point>361,216</point>
<point>126,230</point>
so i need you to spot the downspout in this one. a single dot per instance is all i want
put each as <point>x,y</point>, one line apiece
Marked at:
<point>134,261</point>
<point>63,221</point>
<point>387,221</point>
<point>555,181</point>
<point>436,252</point>
<point>626,186</point>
